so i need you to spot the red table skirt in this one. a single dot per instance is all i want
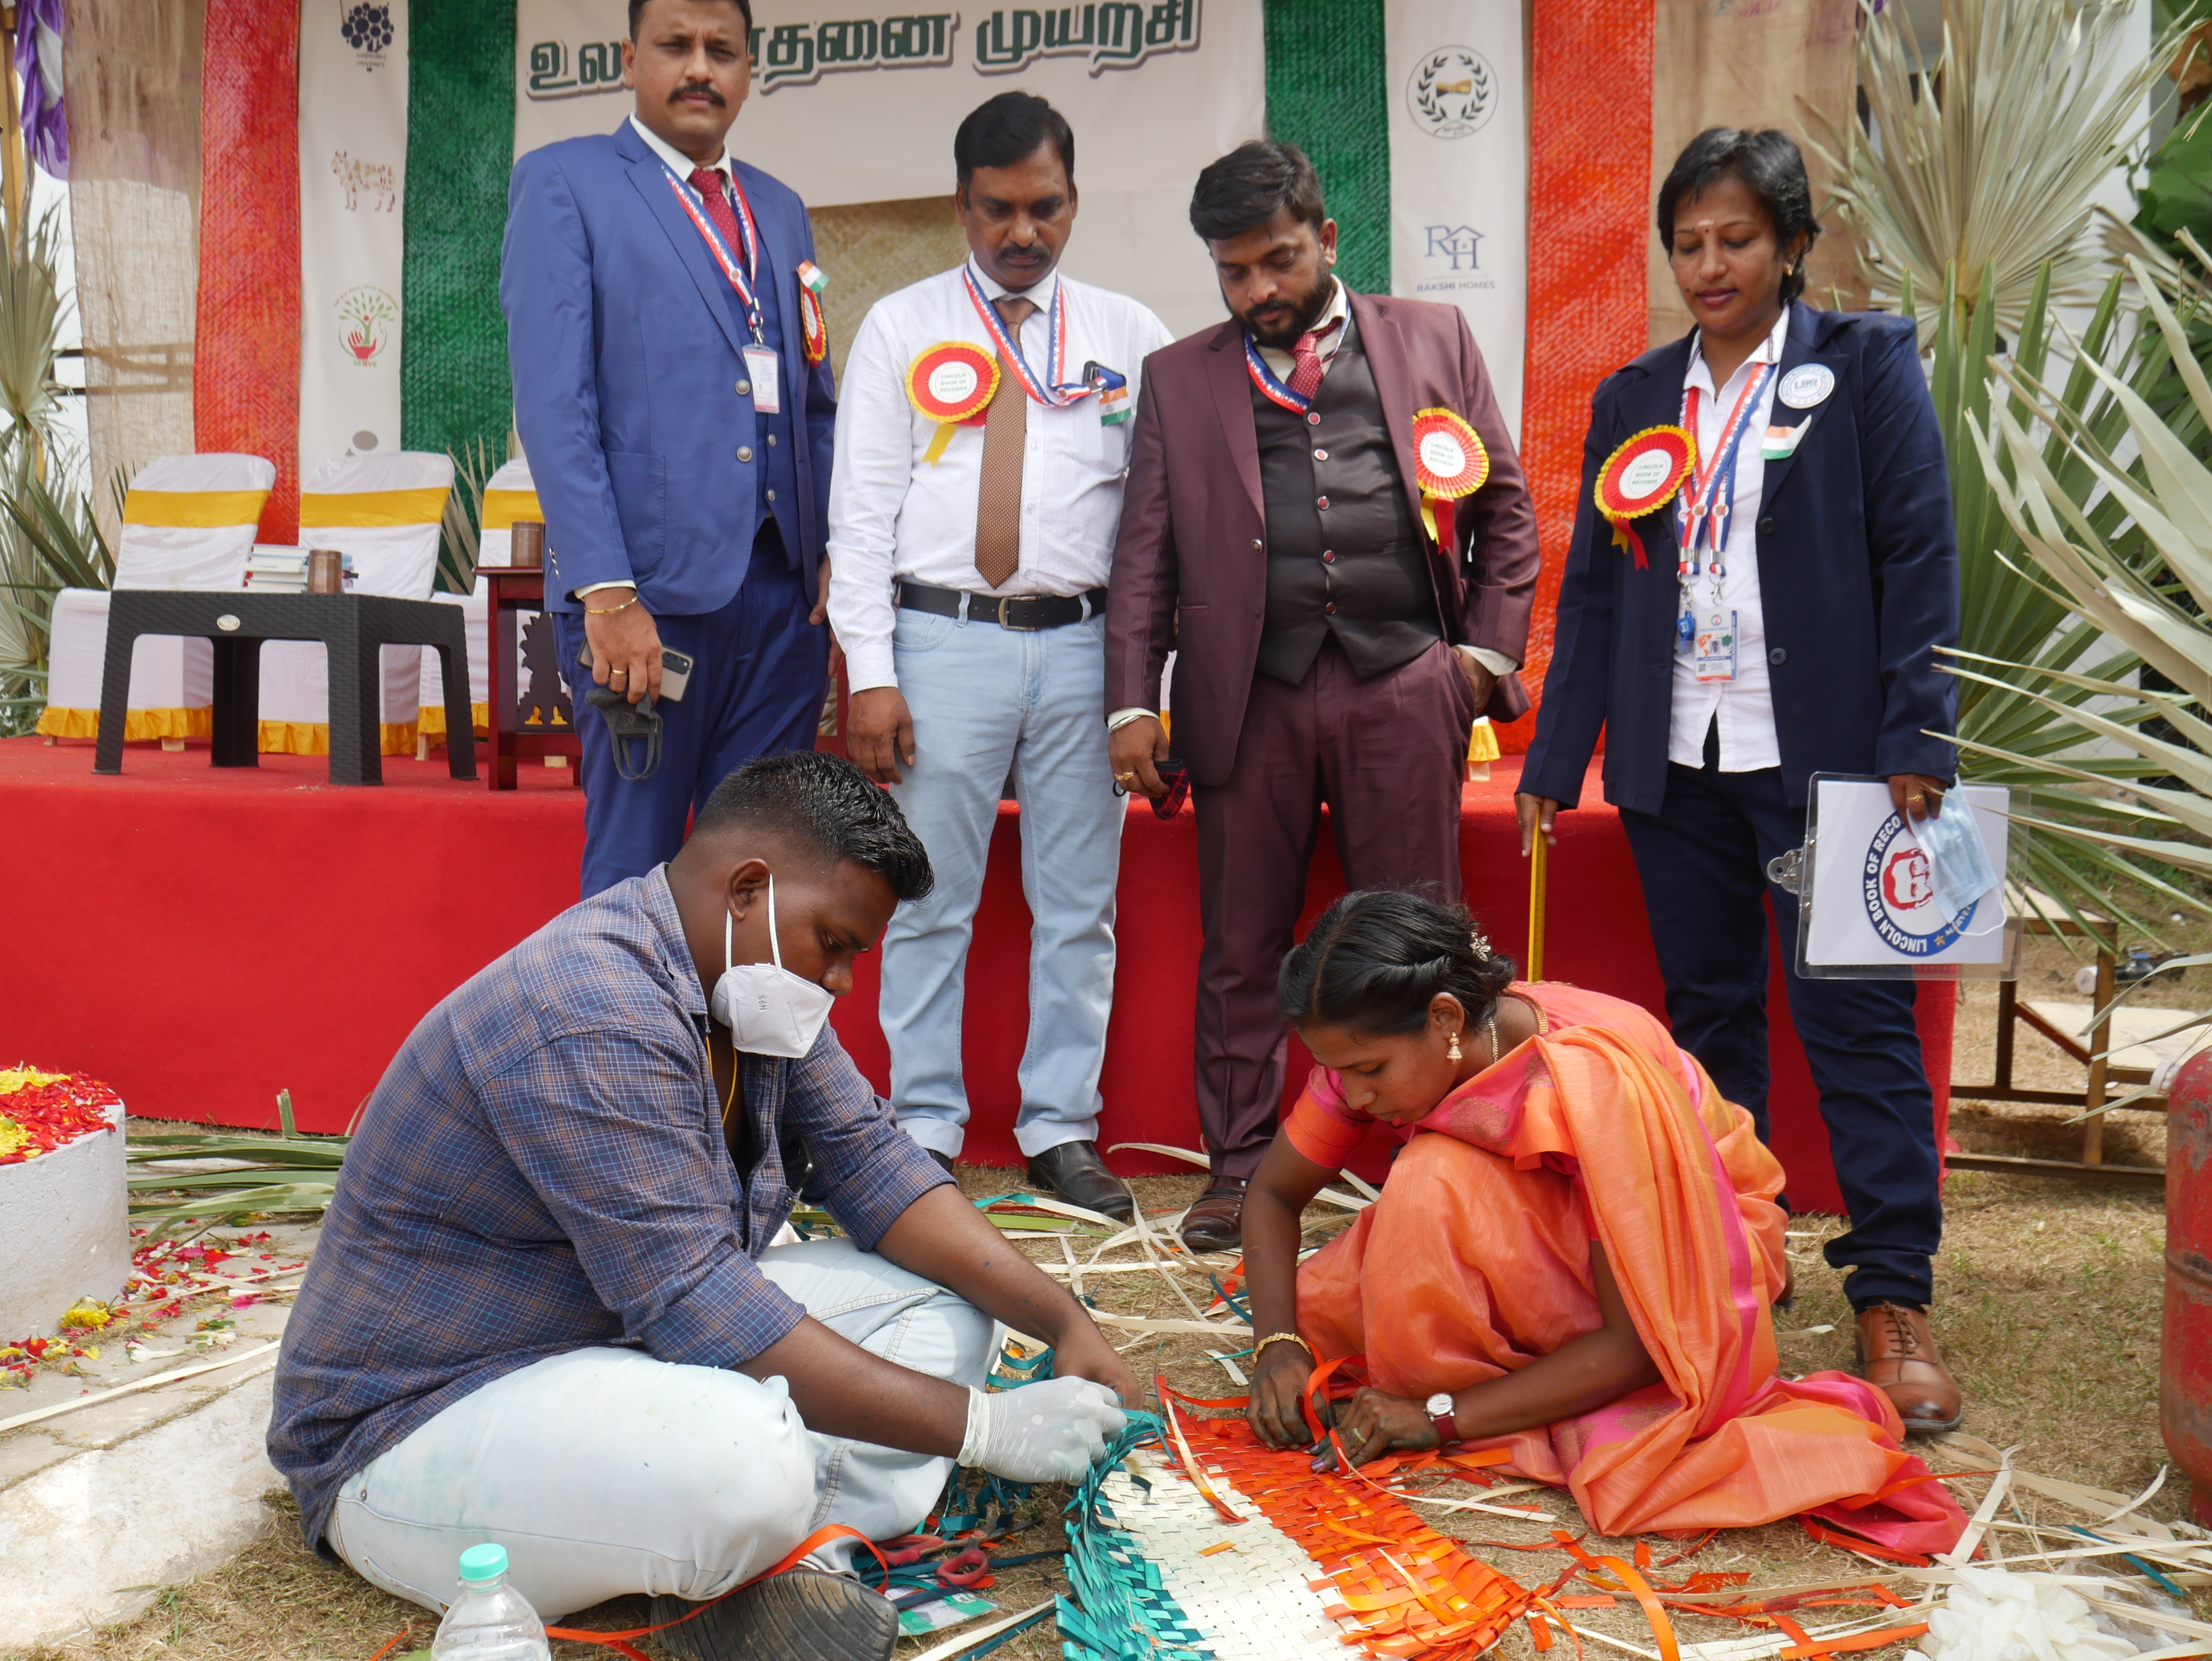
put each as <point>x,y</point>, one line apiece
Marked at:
<point>203,939</point>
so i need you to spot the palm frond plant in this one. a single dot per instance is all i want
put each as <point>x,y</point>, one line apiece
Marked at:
<point>462,541</point>
<point>207,1177</point>
<point>2013,727</point>
<point>1986,158</point>
<point>2112,512</point>
<point>32,451</point>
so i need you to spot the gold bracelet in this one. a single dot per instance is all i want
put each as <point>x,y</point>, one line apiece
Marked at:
<point>610,611</point>
<point>1281,1338</point>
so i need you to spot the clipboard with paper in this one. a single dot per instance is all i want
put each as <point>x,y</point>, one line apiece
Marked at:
<point>1881,897</point>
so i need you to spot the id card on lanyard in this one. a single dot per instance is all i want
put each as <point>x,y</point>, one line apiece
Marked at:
<point>1707,635</point>
<point>765,373</point>
<point>762,370</point>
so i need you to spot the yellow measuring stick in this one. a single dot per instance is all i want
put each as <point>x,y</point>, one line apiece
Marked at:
<point>1534,969</point>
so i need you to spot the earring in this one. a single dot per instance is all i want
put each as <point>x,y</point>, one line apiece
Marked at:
<point>1453,1053</point>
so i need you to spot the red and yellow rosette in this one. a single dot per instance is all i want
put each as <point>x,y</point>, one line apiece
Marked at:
<point>813,327</point>
<point>950,384</point>
<point>1640,477</point>
<point>1449,462</point>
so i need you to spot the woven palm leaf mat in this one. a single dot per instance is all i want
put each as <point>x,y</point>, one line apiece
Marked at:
<point>1220,1547</point>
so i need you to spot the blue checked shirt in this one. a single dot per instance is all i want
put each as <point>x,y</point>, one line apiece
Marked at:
<point>543,1169</point>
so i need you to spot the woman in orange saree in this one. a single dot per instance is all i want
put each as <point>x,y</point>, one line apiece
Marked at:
<point>1573,1258</point>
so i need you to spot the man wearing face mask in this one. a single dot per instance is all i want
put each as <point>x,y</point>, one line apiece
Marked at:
<point>969,596</point>
<point>1327,522</point>
<point>545,1312</point>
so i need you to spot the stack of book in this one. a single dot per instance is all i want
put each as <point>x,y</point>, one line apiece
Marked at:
<point>271,570</point>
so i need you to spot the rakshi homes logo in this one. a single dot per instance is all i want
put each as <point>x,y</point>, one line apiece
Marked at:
<point>367,27</point>
<point>1452,93</point>
<point>366,315</point>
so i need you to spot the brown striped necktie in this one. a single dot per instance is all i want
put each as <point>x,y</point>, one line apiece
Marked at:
<point>999,498</point>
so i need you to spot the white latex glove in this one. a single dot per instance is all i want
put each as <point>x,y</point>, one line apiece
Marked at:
<point>1047,1432</point>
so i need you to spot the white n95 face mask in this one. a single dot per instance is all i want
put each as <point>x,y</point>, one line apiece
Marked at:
<point>769,1010</point>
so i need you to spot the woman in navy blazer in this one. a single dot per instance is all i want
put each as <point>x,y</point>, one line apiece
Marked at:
<point>1798,634</point>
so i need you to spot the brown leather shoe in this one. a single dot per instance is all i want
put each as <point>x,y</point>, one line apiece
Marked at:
<point>1216,1223</point>
<point>1898,1356</point>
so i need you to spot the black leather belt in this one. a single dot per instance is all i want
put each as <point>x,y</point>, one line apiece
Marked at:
<point>1008,610</point>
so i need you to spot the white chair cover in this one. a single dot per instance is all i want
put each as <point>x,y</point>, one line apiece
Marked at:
<point>509,495</point>
<point>188,522</point>
<point>385,511</point>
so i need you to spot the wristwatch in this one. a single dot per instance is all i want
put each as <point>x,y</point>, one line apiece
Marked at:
<point>1441,1413</point>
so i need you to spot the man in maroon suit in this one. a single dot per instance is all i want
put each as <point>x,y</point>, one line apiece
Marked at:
<point>1329,650</point>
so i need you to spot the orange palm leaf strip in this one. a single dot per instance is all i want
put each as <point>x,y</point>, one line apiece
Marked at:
<point>1858,1640</point>
<point>1661,1628</point>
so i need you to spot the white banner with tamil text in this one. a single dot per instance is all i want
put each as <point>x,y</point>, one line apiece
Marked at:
<point>1459,171</point>
<point>353,166</point>
<point>848,109</point>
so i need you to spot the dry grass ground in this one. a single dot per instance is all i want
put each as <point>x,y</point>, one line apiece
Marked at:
<point>2048,1307</point>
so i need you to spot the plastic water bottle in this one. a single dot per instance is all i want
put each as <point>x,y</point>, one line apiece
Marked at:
<point>489,1621</point>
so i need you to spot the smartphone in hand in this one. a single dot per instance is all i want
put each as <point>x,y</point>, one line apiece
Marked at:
<point>675,671</point>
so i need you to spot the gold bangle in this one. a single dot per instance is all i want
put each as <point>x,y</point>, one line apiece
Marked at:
<point>610,611</point>
<point>1281,1338</point>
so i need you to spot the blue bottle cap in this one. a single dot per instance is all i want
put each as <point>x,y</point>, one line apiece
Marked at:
<point>484,1562</point>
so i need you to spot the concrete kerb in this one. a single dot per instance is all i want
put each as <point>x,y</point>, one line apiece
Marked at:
<point>89,1534</point>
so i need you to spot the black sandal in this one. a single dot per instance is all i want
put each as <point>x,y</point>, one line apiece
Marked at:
<point>804,1614</point>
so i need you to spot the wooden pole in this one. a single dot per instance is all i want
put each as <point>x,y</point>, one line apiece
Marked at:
<point>14,164</point>
<point>1534,969</point>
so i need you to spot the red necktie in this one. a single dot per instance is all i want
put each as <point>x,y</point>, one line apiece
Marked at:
<point>1306,365</point>
<point>707,181</point>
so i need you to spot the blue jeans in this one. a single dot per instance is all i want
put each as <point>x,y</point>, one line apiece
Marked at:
<point>1703,860</point>
<point>990,704</point>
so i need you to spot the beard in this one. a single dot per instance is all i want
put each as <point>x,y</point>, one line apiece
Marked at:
<point>1305,311</point>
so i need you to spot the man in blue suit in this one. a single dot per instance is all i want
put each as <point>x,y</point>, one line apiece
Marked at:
<point>677,407</point>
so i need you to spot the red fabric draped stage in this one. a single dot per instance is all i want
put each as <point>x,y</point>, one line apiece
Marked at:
<point>206,938</point>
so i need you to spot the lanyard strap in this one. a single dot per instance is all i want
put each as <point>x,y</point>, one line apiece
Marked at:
<point>1052,391</point>
<point>1270,388</point>
<point>1710,498</point>
<point>740,276</point>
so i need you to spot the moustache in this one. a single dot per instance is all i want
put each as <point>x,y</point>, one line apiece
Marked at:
<point>713,94</point>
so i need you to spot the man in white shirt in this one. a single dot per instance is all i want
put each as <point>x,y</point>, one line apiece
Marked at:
<point>983,440</point>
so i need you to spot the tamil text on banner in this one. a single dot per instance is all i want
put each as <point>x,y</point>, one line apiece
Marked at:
<point>853,109</point>
<point>353,166</point>
<point>1459,171</point>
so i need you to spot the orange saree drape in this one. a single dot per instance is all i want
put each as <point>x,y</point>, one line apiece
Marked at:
<point>1476,1261</point>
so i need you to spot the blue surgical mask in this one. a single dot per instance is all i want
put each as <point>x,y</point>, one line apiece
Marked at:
<point>1958,864</point>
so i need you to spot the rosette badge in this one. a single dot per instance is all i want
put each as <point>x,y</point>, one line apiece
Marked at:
<point>950,384</point>
<point>1449,462</point>
<point>1640,477</point>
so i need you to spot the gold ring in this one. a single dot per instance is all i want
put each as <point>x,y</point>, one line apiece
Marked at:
<point>611,673</point>
<point>1124,778</point>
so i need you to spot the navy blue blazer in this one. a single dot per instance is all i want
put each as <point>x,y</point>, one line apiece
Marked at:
<point>1858,578</point>
<point>625,344</point>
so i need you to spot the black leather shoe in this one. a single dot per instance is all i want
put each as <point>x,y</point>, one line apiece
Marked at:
<point>801,1615</point>
<point>1216,1223</point>
<point>1074,1172</point>
<point>945,1159</point>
